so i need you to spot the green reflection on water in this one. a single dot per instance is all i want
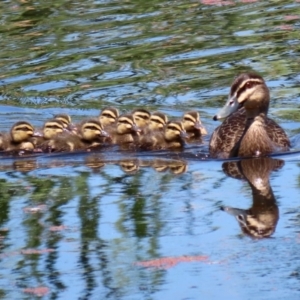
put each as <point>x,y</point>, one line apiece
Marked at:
<point>141,52</point>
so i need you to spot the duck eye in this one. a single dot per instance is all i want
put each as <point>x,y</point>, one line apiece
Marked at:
<point>23,128</point>
<point>123,122</point>
<point>107,115</point>
<point>53,126</point>
<point>187,119</point>
<point>249,84</point>
<point>90,127</point>
<point>173,128</point>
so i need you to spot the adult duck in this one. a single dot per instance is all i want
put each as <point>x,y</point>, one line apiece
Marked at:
<point>247,131</point>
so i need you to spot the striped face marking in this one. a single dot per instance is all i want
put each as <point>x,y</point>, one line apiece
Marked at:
<point>244,85</point>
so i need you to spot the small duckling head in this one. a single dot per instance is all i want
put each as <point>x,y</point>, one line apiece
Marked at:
<point>92,130</point>
<point>64,118</point>
<point>141,117</point>
<point>158,120</point>
<point>22,131</point>
<point>67,122</point>
<point>126,124</point>
<point>108,116</point>
<point>192,123</point>
<point>174,131</point>
<point>52,128</point>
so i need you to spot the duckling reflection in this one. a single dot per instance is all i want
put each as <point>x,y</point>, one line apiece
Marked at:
<point>176,167</point>
<point>129,166</point>
<point>260,220</point>
<point>25,166</point>
<point>95,162</point>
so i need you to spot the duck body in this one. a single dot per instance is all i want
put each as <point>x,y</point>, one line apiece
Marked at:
<point>247,131</point>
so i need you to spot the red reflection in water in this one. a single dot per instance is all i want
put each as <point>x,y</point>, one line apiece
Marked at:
<point>291,17</point>
<point>216,2</point>
<point>58,228</point>
<point>168,262</point>
<point>37,291</point>
<point>35,209</point>
<point>285,27</point>
<point>36,251</point>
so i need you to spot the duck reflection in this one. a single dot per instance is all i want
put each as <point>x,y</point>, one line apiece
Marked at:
<point>129,166</point>
<point>260,220</point>
<point>25,166</point>
<point>95,162</point>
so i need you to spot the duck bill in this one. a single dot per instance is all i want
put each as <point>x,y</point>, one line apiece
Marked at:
<point>104,134</point>
<point>136,129</point>
<point>230,107</point>
<point>72,128</point>
<point>37,134</point>
<point>184,135</point>
<point>201,128</point>
<point>234,211</point>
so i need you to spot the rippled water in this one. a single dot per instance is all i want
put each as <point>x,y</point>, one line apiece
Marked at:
<point>147,225</point>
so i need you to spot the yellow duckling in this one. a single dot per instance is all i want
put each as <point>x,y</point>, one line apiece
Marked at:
<point>171,138</point>
<point>157,122</point>
<point>108,116</point>
<point>51,128</point>
<point>125,131</point>
<point>19,137</point>
<point>141,118</point>
<point>90,133</point>
<point>192,125</point>
<point>67,122</point>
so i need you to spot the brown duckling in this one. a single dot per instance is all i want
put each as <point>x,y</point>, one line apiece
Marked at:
<point>108,116</point>
<point>50,129</point>
<point>157,122</point>
<point>125,131</point>
<point>141,118</point>
<point>67,122</point>
<point>192,125</point>
<point>247,131</point>
<point>19,137</point>
<point>171,138</point>
<point>89,136</point>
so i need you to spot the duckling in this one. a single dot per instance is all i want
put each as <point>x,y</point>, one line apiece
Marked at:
<point>89,136</point>
<point>192,125</point>
<point>125,131</point>
<point>108,116</point>
<point>50,129</point>
<point>67,122</point>
<point>141,118</point>
<point>171,138</point>
<point>247,131</point>
<point>19,137</point>
<point>157,122</point>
